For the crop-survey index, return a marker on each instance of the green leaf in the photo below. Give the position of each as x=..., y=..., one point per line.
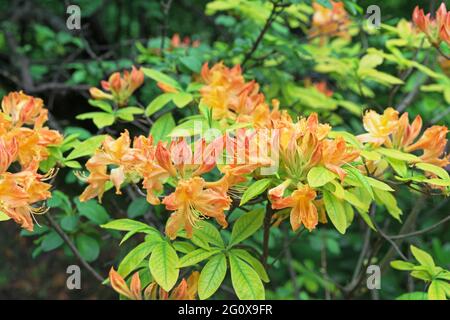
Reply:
x=51, y=241
x=438, y=182
x=413, y=296
x=138, y=207
x=377, y=184
x=440, y=172
x=88, y=247
x=388, y=200
x=158, y=103
x=182, y=99
x=436, y=291
x=162, y=127
x=209, y=233
x=93, y=211
x=422, y=257
x=246, y=282
x=246, y=225
x=161, y=77
x=86, y=148
x=195, y=257
x=128, y=113
x=336, y=211
x=253, y=262
x=212, y=276
x=69, y=223
x=192, y=63
x=135, y=257
x=398, y=155
x=319, y=176
x=399, y=166
x=163, y=265
x=402, y=265
x=255, y=190
x=101, y=104
x=101, y=119
x=183, y=246
x=358, y=176
x=128, y=225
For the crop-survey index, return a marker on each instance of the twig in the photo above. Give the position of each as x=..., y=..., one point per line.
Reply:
x=267, y=219
x=392, y=242
x=72, y=247
x=420, y=232
x=273, y=15
x=166, y=8
x=291, y=270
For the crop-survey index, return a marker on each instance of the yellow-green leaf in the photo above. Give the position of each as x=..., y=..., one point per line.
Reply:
x=246, y=282
x=163, y=265
x=212, y=276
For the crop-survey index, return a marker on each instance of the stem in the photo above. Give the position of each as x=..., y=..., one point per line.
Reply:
x=273, y=14
x=72, y=247
x=267, y=219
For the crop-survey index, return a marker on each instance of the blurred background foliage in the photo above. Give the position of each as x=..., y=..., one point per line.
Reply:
x=39, y=55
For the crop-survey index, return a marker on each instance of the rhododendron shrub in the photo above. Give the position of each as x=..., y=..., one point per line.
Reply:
x=231, y=159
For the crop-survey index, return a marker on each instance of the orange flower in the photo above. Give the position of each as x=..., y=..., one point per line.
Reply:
x=335, y=154
x=19, y=191
x=328, y=22
x=22, y=108
x=186, y=290
x=127, y=161
x=300, y=148
x=301, y=201
x=436, y=29
x=230, y=97
x=404, y=133
x=379, y=127
x=8, y=153
x=433, y=143
x=120, y=286
x=120, y=86
x=191, y=201
x=323, y=88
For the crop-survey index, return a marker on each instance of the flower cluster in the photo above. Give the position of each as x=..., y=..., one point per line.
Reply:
x=328, y=22
x=232, y=99
x=119, y=88
x=193, y=197
x=186, y=290
x=303, y=146
x=23, y=141
x=396, y=132
x=436, y=29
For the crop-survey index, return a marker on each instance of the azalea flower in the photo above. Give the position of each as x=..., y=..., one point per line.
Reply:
x=436, y=29
x=18, y=193
x=22, y=108
x=304, y=211
x=379, y=127
x=433, y=143
x=328, y=22
x=121, y=87
x=8, y=153
x=336, y=153
x=128, y=162
x=186, y=290
x=192, y=200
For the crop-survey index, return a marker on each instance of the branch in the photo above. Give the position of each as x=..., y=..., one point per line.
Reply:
x=267, y=219
x=420, y=232
x=72, y=247
x=273, y=15
x=166, y=8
